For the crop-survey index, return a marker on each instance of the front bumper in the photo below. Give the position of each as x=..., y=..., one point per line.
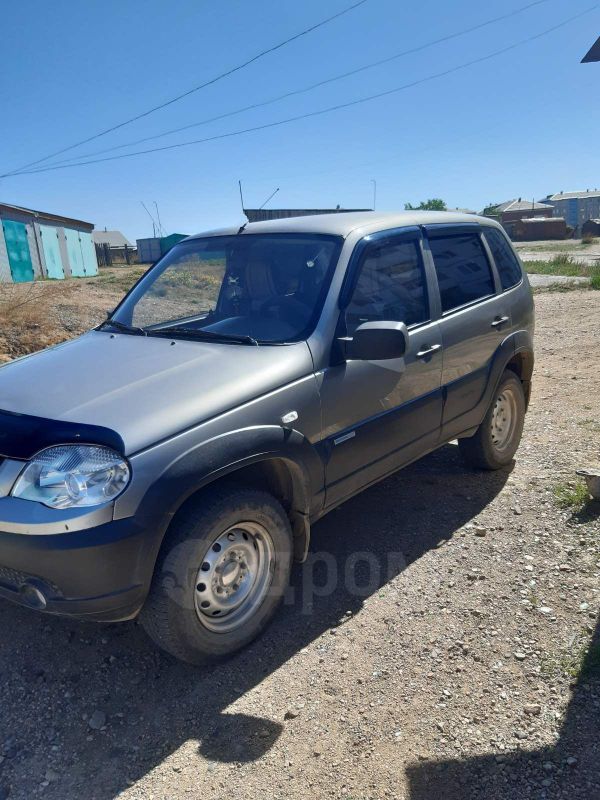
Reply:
x=49, y=562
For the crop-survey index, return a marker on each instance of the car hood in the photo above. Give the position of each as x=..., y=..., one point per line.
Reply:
x=145, y=388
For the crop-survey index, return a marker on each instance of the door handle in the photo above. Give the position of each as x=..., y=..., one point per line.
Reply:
x=429, y=351
x=499, y=321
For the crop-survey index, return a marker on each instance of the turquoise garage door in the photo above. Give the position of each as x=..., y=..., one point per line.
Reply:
x=75, y=255
x=17, y=246
x=54, y=265
x=82, y=254
x=88, y=251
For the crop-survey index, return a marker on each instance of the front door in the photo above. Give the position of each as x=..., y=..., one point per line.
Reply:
x=476, y=317
x=17, y=246
x=378, y=415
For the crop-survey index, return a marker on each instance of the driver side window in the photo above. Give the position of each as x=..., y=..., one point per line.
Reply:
x=391, y=285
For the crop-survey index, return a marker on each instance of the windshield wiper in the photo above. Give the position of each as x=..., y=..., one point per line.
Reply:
x=121, y=326
x=197, y=333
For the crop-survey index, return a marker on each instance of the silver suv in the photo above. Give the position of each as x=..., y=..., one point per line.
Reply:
x=170, y=462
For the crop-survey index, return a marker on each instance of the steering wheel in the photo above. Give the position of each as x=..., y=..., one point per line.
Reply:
x=288, y=309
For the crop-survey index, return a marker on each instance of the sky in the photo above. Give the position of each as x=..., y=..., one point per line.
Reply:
x=525, y=123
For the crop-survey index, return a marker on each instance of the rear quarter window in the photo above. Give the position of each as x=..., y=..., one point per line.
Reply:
x=507, y=263
x=463, y=270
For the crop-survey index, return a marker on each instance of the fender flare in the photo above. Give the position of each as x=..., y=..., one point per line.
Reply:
x=221, y=457
x=516, y=345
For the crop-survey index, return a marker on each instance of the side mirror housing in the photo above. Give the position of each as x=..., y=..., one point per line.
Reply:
x=377, y=341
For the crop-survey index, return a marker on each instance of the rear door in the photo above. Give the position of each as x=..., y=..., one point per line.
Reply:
x=475, y=317
x=19, y=255
x=380, y=414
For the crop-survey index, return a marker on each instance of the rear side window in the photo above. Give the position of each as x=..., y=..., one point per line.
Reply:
x=462, y=268
x=507, y=263
x=390, y=286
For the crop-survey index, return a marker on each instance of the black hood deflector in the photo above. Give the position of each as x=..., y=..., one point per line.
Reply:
x=22, y=435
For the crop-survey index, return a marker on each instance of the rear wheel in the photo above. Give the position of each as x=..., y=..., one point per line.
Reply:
x=220, y=576
x=496, y=441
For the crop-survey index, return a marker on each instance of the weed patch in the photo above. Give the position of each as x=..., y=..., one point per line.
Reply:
x=573, y=496
x=563, y=264
x=580, y=662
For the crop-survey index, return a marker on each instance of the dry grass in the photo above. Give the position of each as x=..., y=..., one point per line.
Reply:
x=28, y=319
x=43, y=313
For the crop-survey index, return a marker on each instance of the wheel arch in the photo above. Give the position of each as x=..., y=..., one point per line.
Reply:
x=521, y=363
x=280, y=476
x=280, y=461
x=515, y=353
x=283, y=478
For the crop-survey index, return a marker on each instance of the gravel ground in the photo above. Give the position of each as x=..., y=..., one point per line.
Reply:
x=449, y=669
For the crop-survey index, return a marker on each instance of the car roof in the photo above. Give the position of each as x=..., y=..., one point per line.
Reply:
x=342, y=224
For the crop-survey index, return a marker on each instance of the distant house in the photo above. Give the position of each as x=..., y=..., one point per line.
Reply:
x=262, y=214
x=114, y=239
x=531, y=229
x=522, y=209
x=576, y=207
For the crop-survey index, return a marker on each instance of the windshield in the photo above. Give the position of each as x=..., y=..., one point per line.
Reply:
x=268, y=288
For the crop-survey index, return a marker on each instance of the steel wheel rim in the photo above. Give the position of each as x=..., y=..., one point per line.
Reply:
x=504, y=420
x=235, y=576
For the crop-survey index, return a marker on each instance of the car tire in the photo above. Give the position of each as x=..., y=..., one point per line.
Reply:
x=220, y=576
x=496, y=441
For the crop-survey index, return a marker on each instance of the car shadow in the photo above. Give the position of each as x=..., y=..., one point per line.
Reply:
x=57, y=672
x=570, y=769
x=589, y=513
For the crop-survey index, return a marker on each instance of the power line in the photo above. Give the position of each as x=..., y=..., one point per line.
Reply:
x=210, y=82
x=329, y=109
x=295, y=92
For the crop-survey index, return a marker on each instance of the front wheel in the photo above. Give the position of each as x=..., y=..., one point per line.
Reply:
x=220, y=576
x=496, y=441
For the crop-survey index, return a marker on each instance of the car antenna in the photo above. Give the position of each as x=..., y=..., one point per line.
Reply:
x=260, y=209
x=243, y=209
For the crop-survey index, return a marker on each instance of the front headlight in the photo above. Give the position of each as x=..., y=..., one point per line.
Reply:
x=71, y=476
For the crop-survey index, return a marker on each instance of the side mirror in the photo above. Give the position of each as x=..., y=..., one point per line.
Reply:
x=377, y=341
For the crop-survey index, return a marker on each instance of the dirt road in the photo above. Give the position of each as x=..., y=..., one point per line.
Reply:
x=446, y=661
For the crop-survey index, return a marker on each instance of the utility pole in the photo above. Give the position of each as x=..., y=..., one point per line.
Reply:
x=161, y=230
x=374, y=182
x=151, y=217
